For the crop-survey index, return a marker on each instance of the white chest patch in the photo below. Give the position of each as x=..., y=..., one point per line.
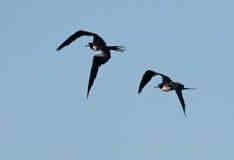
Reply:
x=166, y=88
x=95, y=48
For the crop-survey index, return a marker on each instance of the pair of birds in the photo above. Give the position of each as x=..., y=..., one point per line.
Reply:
x=100, y=59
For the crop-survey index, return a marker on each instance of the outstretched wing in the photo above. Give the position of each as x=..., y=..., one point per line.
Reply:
x=98, y=60
x=98, y=40
x=165, y=79
x=178, y=89
x=74, y=37
x=147, y=77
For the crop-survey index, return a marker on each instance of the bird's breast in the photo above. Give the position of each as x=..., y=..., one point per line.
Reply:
x=95, y=48
x=166, y=88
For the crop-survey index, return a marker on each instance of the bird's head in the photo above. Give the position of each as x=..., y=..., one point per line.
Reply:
x=158, y=86
x=89, y=44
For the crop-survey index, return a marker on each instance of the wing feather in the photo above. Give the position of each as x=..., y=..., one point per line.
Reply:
x=74, y=37
x=148, y=76
x=178, y=89
x=98, y=60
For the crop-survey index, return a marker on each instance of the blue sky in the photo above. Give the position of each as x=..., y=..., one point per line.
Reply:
x=44, y=111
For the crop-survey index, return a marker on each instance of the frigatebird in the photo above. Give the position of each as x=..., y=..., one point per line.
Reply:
x=166, y=85
x=98, y=44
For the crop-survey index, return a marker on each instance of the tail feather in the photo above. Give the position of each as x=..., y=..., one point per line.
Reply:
x=188, y=88
x=117, y=48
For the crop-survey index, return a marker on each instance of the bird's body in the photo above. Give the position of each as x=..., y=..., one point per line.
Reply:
x=98, y=44
x=166, y=88
x=166, y=85
x=95, y=47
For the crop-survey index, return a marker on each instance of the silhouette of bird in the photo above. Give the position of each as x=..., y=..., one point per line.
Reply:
x=166, y=85
x=98, y=42
x=98, y=60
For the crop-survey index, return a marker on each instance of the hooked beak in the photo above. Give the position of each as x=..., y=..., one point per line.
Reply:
x=87, y=45
x=156, y=86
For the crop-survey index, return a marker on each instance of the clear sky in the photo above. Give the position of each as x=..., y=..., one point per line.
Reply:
x=44, y=111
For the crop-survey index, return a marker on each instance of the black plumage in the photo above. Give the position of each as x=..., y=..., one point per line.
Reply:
x=166, y=85
x=98, y=44
x=98, y=60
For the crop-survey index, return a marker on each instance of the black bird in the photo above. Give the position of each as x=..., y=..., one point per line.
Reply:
x=166, y=85
x=98, y=44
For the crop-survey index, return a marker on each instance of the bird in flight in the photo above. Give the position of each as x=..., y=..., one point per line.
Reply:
x=98, y=44
x=166, y=85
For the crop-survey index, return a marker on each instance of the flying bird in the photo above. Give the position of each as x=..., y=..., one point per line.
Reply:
x=98, y=42
x=98, y=60
x=166, y=85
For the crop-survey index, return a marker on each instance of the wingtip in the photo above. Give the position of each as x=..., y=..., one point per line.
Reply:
x=88, y=93
x=139, y=91
x=184, y=112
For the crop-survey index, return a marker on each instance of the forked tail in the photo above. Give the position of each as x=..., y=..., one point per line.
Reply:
x=188, y=88
x=117, y=48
